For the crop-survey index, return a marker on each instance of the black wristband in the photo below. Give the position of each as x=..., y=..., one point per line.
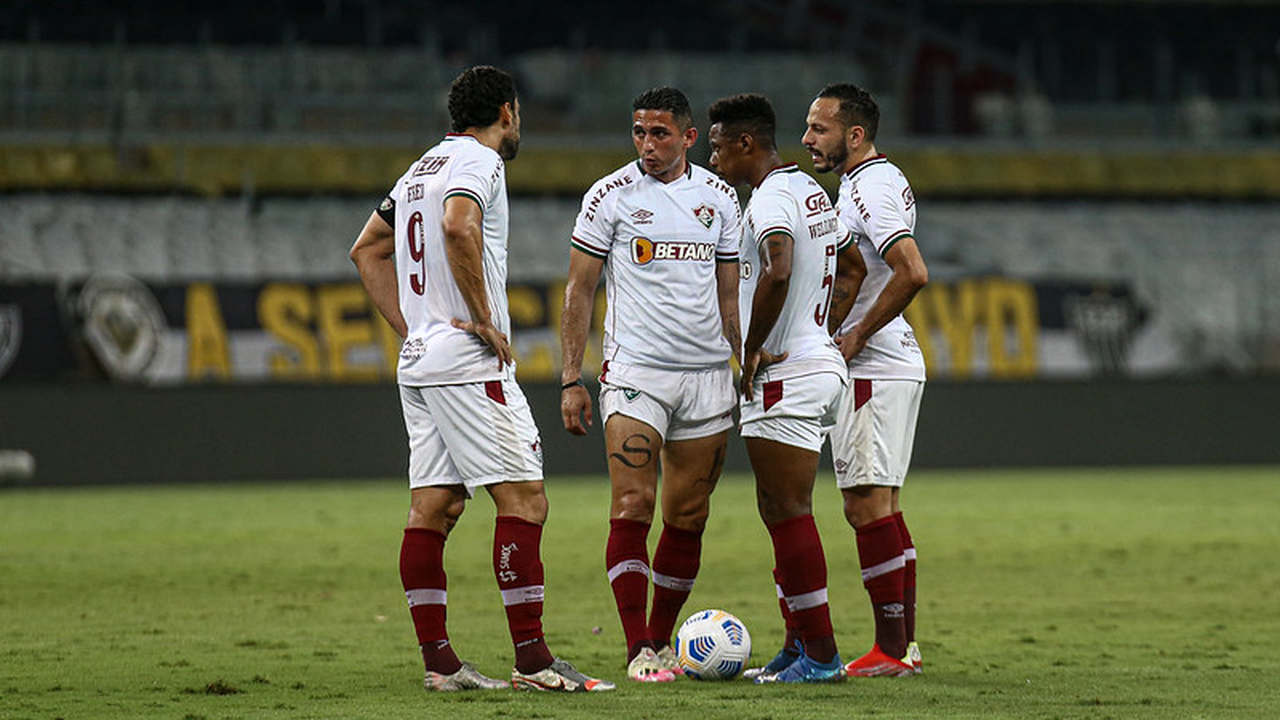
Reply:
x=568, y=385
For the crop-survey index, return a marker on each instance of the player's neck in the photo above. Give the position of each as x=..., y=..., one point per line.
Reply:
x=490, y=137
x=762, y=166
x=673, y=173
x=864, y=153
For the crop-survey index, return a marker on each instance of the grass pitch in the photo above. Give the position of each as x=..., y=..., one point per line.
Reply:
x=1045, y=594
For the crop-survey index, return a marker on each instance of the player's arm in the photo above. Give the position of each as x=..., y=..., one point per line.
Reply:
x=374, y=256
x=851, y=270
x=463, y=248
x=727, y=297
x=776, y=251
x=575, y=321
x=909, y=275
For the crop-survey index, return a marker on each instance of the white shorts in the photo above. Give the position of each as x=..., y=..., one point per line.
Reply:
x=473, y=434
x=797, y=411
x=875, y=430
x=679, y=404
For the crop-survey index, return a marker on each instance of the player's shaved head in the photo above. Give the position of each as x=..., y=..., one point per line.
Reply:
x=477, y=95
x=668, y=99
x=749, y=113
x=857, y=107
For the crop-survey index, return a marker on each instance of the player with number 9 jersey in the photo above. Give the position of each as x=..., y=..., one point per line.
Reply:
x=435, y=352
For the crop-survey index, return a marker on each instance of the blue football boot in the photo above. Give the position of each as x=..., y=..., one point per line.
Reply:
x=807, y=670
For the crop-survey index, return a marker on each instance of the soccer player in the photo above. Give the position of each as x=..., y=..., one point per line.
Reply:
x=792, y=374
x=433, y=258
x=872, y=440
x=665, y=233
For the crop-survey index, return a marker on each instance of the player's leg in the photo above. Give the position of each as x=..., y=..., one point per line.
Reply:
x=690, y=470
x=908, y=585
x=517, y=565
x=433, y=511
x=503, y=453
x=869, y=463
x=784, y=489
x=437, y=499
x=702, y=414
x=632, y=448
x=784, y=426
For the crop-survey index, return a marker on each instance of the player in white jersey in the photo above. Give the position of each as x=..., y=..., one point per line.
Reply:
x=871, y=444
x=664, y=232
x=792, y=374
x=433, y=258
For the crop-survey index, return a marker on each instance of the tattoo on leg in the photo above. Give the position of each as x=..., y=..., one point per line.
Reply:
x=636, y=456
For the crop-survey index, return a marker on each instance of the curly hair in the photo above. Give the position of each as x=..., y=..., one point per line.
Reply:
x=857, y=107
x=476, y=96
x=665, y=98
x=750, y=113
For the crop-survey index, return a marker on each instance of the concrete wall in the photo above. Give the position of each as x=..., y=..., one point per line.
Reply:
x=93, y=434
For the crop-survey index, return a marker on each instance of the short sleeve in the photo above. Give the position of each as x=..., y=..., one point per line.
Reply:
x=472, y=175
x=887, y=220
x=592, y=230
x=774, y=212
x=730, y=231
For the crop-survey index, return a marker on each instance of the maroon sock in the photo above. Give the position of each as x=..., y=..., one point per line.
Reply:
x=802, y=573
x=518, y=567
x=908, y=579
x=627, y=559
x=792, y=642
x=422, y=574
x=880, y=554
x=675, y=565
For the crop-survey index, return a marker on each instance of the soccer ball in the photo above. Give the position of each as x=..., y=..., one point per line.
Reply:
x=713, y=645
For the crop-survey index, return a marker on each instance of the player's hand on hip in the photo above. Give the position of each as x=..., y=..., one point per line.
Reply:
x=850, y=345
x=575, y=409
x=491, y=337
x=752, y=365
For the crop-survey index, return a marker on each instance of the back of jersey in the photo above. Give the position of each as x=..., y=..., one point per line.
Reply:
x=790, y=201
x=436, y=353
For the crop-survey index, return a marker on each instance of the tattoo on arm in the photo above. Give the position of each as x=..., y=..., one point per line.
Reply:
x=634, y=454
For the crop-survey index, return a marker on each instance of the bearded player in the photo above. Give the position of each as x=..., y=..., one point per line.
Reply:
x=664, y=232
x=792, y=374
x=875, y=428
x=433, y=258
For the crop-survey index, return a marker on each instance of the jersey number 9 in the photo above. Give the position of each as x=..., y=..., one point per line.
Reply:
x=418, y=252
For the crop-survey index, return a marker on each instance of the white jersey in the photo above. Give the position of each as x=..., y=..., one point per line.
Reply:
x=436, y=353
x=789, y=201
x=876, y=204
x=661, y=243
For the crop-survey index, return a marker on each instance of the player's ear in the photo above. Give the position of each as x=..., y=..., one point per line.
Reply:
x=690, y=136
x=507, y=114
x=854, y=136
x=746, y=142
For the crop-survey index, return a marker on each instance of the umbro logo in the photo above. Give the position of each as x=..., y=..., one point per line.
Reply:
x=642, y=217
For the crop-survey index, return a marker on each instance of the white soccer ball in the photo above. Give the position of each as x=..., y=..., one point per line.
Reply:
x=713, y=645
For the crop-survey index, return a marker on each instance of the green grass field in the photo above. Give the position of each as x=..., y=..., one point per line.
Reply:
x=1045, y=594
